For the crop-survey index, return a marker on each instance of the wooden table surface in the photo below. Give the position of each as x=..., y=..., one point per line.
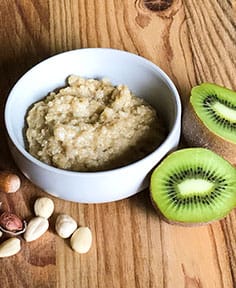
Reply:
x=192, y=41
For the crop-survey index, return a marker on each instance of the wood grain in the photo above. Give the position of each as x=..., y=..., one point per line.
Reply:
x=192, y=41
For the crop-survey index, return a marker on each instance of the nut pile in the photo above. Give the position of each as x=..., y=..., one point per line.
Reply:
x=12, y=225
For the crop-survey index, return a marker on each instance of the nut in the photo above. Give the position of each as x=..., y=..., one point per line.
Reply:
x=12, y=224
x=43, y=207
x=9, y=182
x=1, y=233
x=65, y=225
x=81, y=240
x=36, y=228
x=10, y=247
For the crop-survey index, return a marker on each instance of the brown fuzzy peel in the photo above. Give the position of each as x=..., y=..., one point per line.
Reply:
x=196, y=134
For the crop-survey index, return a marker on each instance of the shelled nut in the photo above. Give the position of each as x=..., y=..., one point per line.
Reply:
x=65, y=225
x=81, y=240
x=10, y=247
x=43, y=207
x=37, y=226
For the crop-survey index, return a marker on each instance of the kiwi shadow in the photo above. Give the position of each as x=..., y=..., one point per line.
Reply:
x=142, y=201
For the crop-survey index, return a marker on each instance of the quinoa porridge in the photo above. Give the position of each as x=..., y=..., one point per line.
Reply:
x=91, y=125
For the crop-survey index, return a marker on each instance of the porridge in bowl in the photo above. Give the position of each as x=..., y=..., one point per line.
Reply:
x=91, y=125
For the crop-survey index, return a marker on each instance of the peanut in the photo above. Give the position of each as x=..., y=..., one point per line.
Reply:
x=11, y=222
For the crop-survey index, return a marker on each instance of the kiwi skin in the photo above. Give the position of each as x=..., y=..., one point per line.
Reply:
x=196, y=134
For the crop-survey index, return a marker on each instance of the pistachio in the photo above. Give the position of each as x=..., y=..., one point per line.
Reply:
x=65, y=225
x=12, y=224
x=43, y=207
x=9, y=182
x=37, y=226
x=81, y=240
x=1, y=233
x=10, y=247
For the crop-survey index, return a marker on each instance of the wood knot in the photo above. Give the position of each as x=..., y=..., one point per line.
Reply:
x=147, y=9
x=157, y=5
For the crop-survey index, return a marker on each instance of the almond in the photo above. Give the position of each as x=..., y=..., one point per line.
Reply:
x=10, y=247
x=81, y=240
x=37, y=226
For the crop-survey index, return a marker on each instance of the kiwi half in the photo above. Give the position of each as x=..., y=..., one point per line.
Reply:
x=193, y=185
x=209, y=120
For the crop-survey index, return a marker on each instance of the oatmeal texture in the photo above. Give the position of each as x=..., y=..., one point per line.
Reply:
x=91, y=125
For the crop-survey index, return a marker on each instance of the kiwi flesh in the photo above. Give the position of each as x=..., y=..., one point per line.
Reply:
x=209, y=120
x=193, y=186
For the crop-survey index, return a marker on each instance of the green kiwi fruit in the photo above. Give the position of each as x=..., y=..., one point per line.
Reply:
x=209, y=120
x=193, y=186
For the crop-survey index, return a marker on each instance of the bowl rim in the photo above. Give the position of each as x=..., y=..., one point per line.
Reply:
x=176, y=126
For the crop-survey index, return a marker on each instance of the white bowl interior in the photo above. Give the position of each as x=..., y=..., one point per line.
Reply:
x=143, y=78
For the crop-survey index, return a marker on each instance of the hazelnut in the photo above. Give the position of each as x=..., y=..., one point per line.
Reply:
x=43, y=207
x=9, y=182
x=65, y=225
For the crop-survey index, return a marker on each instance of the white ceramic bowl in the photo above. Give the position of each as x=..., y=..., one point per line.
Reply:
x=144, y=78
